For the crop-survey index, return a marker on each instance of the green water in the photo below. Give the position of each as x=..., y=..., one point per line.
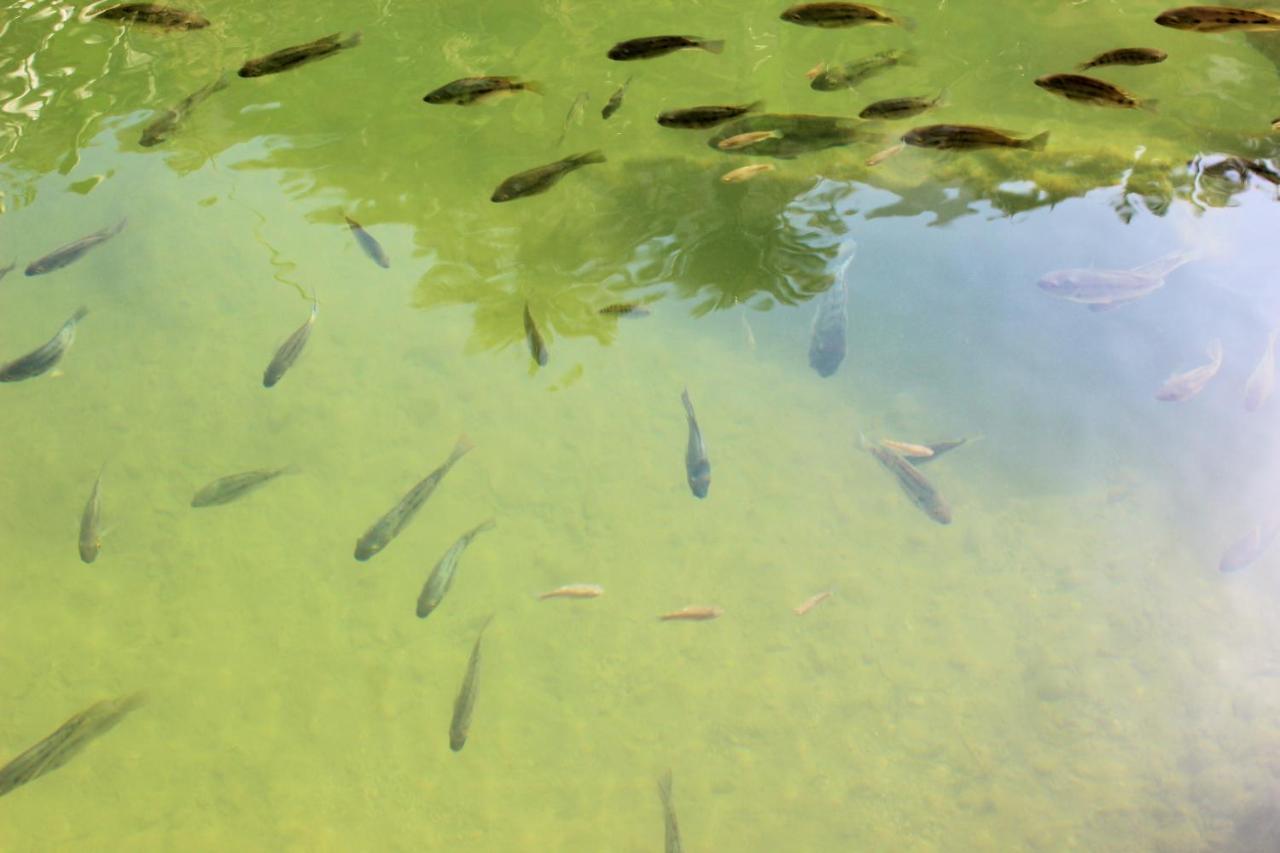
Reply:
x=1061, y=668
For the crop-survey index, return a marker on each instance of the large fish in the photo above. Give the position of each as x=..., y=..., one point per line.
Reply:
x=295, y=55
x=969, y=137
x=441, y=577
x=696, y=465
x=289, y=351
x=650, y=46
x=43, y=358
x=672, y=831
x=1245, y=551
x=1219, y=19
x=390, y=525
x=235, y=486
x=1091, y=90
x=1184, y=386
x=371, y=247
x=1263, y=378
x=464, y=705
x=467, y=91
x=90, y=536
x=160, y=129
x=72, y=252
x=154, y=15
x=830, y=322
x=1103, y=290
x=539, y=179
x=913, y=484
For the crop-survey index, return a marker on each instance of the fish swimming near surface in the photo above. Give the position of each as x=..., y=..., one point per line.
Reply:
x=811, y=602
x=1184, y=386
x=289, y=351
x=1091, y=90
x=615, y=101
x=833, y=15
x=467, y=91
x=441, y=577
x=539, y=179
x=831, y=78
x=696, y=465
x=692, y=613
x=698, y=118
x=168, y=121
x=398, y=517
x=1125, y=56
x=1263, y=378
x=371, y=247
x=892, y=109
x=1103, y=290
x=155, y=15
x=464, y=705
x=914, y=485
x=90, y=536
x=746, y=173
x=72, y=252
x=235, y=486
x=672, y=826
x=43, y=358
x=537, y=346
x=1219, y=19
x=67, y=741
x=575, y=590
x=625, y=309
x=298, y=54
x=652, y=46
x=1246, y=551
x=745, y=140
x=969, y=137
x=827, y=336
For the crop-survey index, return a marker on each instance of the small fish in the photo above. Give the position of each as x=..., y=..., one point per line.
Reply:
x=289, y=351
x=371, y=247
x=913, y=484
x=744, y=140
x=698, y=118
x=67, y=741
x=72, y=252
x=652, y=46
x=542, y=178
x=235, y=486
x=615, y=101
x=295, y=55
x=938, y=448
x=968, y=137
x=827, y=337
x=831, y=78
x=746, y=173
x=672, y=826
x=160, y=129
x=394, y=521
x=154, y=15
x=696, y=465
x=1125, y=56
x=1219, y=19
x=4, y=271
x=1263, y=378
x=465, y=703
x=576, y=590
x=90, y=536
x=441, y=577
x=45, y=357
x=574, y=116
x=537, y=346
x=891, y=109
x=624, y=309
x=467, y=91
x=1184, y=386
x=811, y=602
x=1245, y=551
x=692, y=613
x=907, y=449
x=832, y=15
x=880, y=156
x=1091, y=90
x=1103, y=290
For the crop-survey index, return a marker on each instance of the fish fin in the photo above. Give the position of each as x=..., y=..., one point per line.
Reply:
x=532, y=86
x=1085, y=66
x=1036, y=143
x=688, y=404
x=119, y=226
x=79, y=314
x=754, y=106
x=1149, y=104
x=1215, y=351
x=907, y=23
x=487, y=524
x=943, y=99
x=352, y=40
x=590, y=157
x=664, y=788
x=463, y=445
x=711, y=45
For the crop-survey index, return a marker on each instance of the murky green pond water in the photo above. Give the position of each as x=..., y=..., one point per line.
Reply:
x=1064, y=666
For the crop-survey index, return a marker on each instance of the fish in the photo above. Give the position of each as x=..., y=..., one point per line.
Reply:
x=72, y=252
x=1102, y=290
x=1263, y=378
x=537, y=346
x=653, y=46
x=298, y=54
x=1244, y=552
x=744, y=140
x=235, y=486
x=464, y=705
x=880, y=156
x=371, y=247
x=467, y=91
x=798, y=133
x=441, y=577
x=692, y=613
x=832, y=15
x=576, y=590
x=831, y=78
x=154, y=15
x=1091, y=90
x=539, y=179
x=968, y=137
x=698, y=118
x=907, y=449
x=1219, y=19
x=746, y=173
x=160, y=129
x=938, y=448
x=827, y=336
x=672, y=826
x=289, y=351
x=1183, y=386
x=921, y=492
x=624, y=309
x=615, y=101
x=397, y=518
x=696, y=465
x=90, y=537
x=811, y=602
x=4, y=271
x=1125, y=56
x=891, y=109
x=43, y=358
x=67, y=741
x=574, y=115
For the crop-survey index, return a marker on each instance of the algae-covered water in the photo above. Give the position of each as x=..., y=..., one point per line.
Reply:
x=1062, y=667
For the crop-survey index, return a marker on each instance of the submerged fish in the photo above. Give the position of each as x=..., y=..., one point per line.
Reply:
x=90, y=537
x=467, y=91
x=1219, y=19
x=235, y=486
x=830, y=323
x=624, y=309
x=907, y=449
x=706, y=116
x=1263, y=378
x=574, y=116
x=696, y=465
x=576, y=590
x=1091, y=90
x=692, y=613
x=968, y=137
x=441, y=577
x=389, y=526
x=831, y=15
x=464, y=704
x=746, y=173
x=913, y=484
x=672, y=826
x=542, y=178
x=295, y=55
x=63, y=745
x=615, y=101
x=896, y=108
x=289, y=351
x=797, y=134
x=64, y=255
x=1125, y=56
x=154, y=15
x=830, y=78
x=744, y=140
x=811, y=602
x=1245, y=552
x=1184, y=386
x=43, y=358
x=1103, y=290
x=160, y=129
x=371, y=247
x=537, y=346
x=651, y=46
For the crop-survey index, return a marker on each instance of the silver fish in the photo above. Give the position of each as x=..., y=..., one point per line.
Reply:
x=43, y=358
x=696, y=465
x=289, y=351
x=465, y=703
x=1263, y=378
x=398, y=517
x=235, y=486
x=90, y=536
x=441, y=578
x=1103, y=290
x=371, y=247
x=1184, y=386
x=1245, y=551
x=160, y=129
x=913, y=484
x=72, y=252
x=672, y=826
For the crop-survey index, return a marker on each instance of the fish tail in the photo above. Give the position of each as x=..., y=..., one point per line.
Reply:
x=664, y=788
x=487, y=524
x=352, y=40
x=221, y=83
x=943, y=98
x=461, y=447
x=1035, y=143
x=1085, y=66
x=688, y=404
x=79, y=314
x=119, y=226
x=1215, y=350
x=1149, y=104
x=531, y=86
x=590, y=157
x=907, y=23
x=754, y=106
x=711, y=45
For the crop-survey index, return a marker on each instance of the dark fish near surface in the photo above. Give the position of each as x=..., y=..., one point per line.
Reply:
x=624, y=309
x=831, y=15
x=466, y=91
x=1184, y=386
x=914, y=485
x=796, y=134
x=708, y=116
x=235, y=486
x=1091, y=90
x=292, y=57
x=896, y=108
x=61, y=257
x=830, y=321
x=63, y=745
x=160, y=129
x=537, y=346
x=1218, y=19
x=967, y=137
x=289, y=351
x=696, y=465
x=441, y=577
x=1246, y=551
x=389, y=526
x=542, y=178
x=154, y=15
x=1103, y=290
x=830, y=78
x=651, y=46
x=465, y=703
x=1263, y=378
x=43, y=358
x=1126, y=56
x=672, y=831
x=615, y=101
x=371, y=247
x=90, y=536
